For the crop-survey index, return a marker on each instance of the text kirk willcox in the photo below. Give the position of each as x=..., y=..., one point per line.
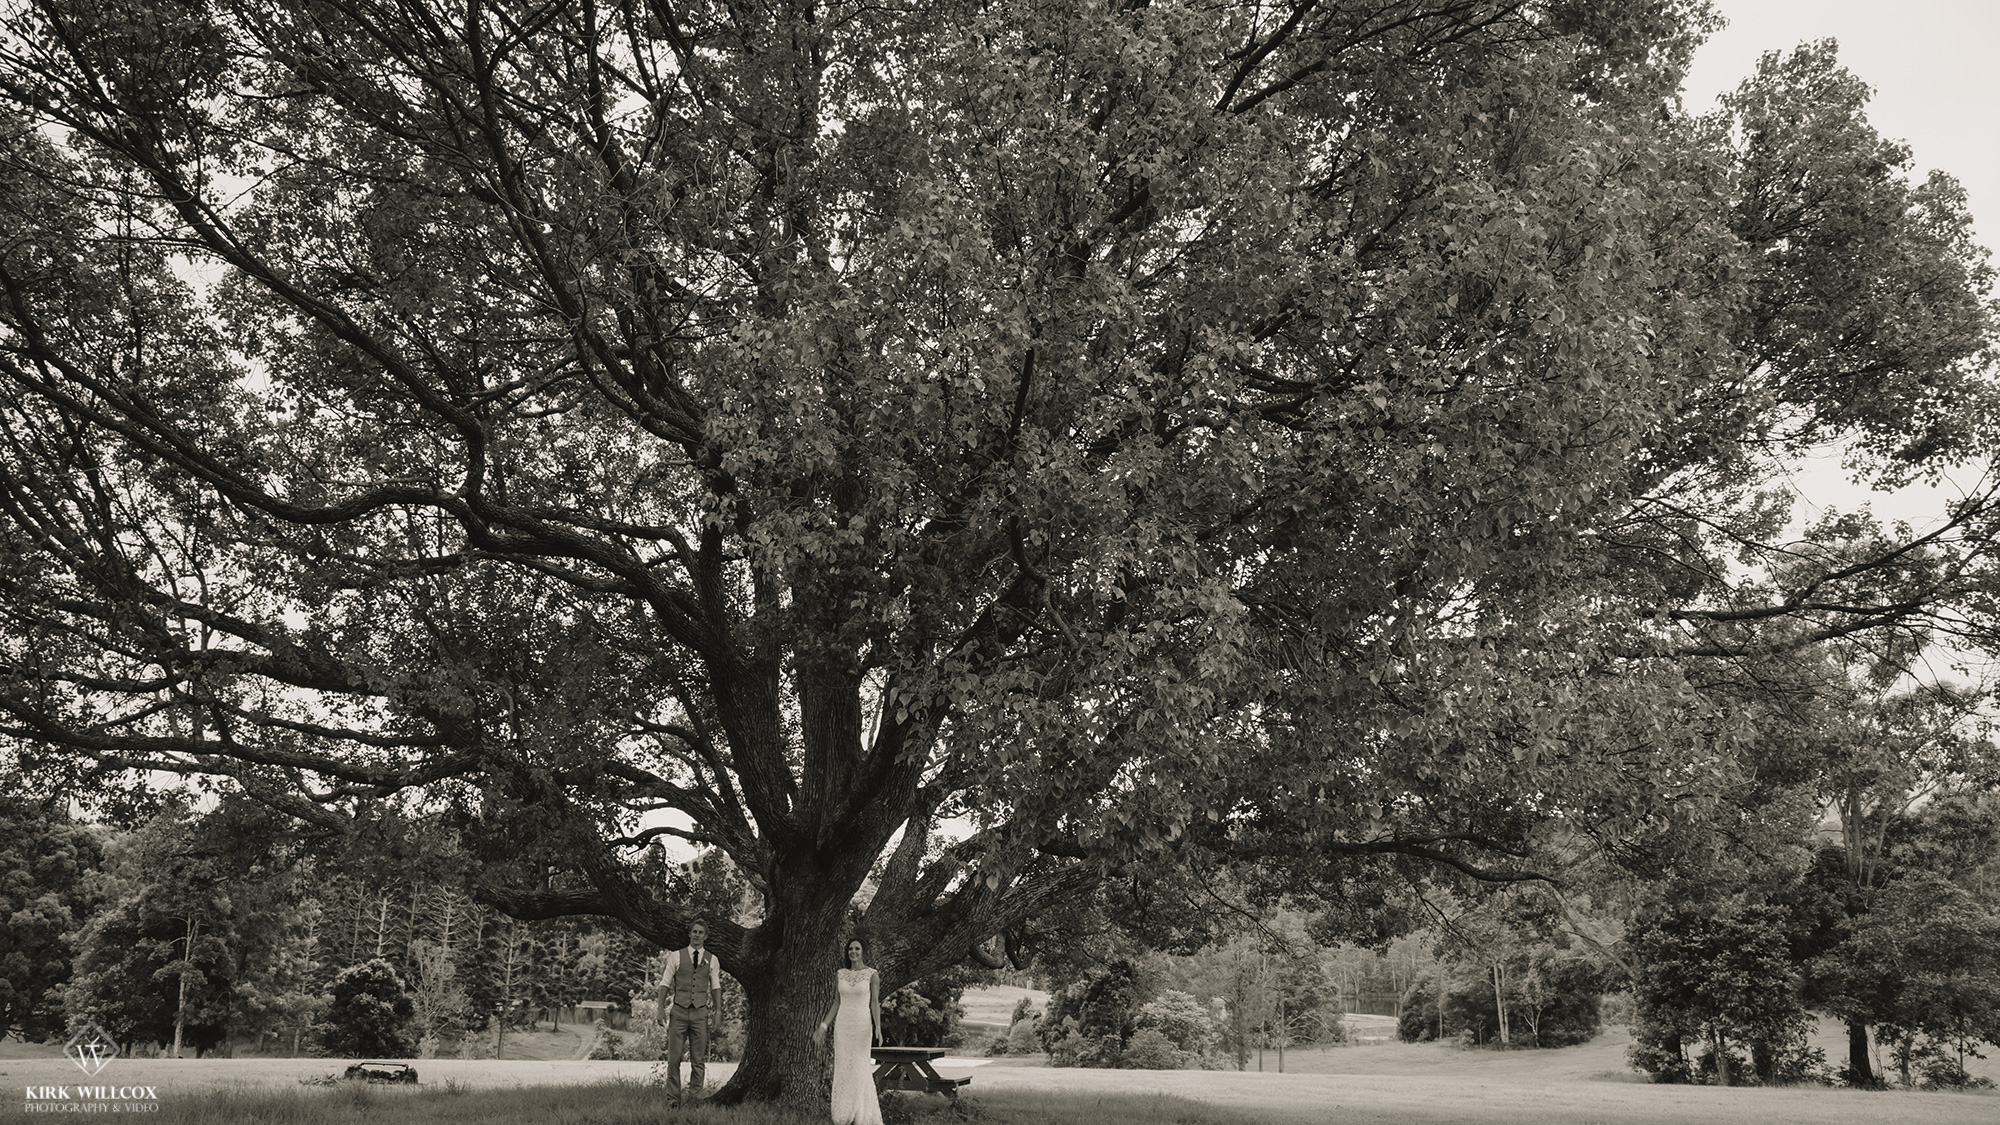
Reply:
x=94, y=1093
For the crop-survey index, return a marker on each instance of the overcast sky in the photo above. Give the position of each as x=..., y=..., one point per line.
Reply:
x=1935, y=68
x=1934, y=64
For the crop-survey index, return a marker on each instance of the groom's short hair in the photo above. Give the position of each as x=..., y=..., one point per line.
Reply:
x=702, y=922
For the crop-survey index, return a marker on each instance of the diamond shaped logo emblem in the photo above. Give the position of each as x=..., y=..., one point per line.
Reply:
x=90, y=1048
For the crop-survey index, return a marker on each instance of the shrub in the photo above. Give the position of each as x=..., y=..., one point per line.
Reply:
x=1659, y=1049
x=1797, y=1064
x=608, y=1045
x=1022, y=1038
x=1074, y=1048
x=1181, y=1020
x=368, y=1015
x=1559, y=1000
x=1943, y=1072
x=1105, y=1001
x=1929, y=1065
x=1564, y=1021
x=1150, y=1049
x=1418, y=1022
x=645, y=1040
x=1069, y=1048
x=927, y=1013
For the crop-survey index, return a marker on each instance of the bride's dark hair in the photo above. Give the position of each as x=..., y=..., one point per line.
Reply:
x=856, y=939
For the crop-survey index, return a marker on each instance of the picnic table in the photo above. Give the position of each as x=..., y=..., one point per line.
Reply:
x=909, y=1068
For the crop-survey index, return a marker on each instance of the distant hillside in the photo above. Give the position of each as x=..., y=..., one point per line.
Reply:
x=989, y=1008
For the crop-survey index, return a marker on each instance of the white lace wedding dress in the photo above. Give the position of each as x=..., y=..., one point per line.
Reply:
x=854, y=1101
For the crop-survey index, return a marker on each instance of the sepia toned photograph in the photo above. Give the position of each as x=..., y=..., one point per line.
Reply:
x=1013, y=562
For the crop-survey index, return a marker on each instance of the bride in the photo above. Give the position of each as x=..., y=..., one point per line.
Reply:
x=856, y=1021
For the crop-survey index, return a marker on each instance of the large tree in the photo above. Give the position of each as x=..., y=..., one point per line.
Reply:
x=1304, y=430
x=45, y=864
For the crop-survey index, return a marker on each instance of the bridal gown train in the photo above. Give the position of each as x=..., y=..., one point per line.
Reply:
x=854, y=1101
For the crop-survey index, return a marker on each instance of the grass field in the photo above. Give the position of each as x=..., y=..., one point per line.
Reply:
x=631, y=1103
x=1379, y=1083
x=988, y=1010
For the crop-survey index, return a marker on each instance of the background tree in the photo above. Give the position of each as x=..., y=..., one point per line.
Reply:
x=1717, y=976
x=927, y=1014
x=1919, y=957
x=1312, y=436
x=45, y=865
x=1892, y=752
x=368, y=1015
x=190, y=903
x=1091, y=1020
x=278, y=988
x=438, y=1004
x=1180, y=1018
x=1927, y=970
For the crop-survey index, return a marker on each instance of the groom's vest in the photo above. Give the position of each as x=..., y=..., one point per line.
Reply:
x=690, y=984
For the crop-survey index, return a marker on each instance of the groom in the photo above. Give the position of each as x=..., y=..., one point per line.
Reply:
x=690, y=989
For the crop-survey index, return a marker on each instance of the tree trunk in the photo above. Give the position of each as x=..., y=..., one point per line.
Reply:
x=1441, y=988
x=786, y=993
x=187, y=964
x=1859, y=1070
x=1722, y=1075
x=1500, y=1001
x=1264, y=1015
x=1241, y=1019
x=506, y=989
x=1763, y=1060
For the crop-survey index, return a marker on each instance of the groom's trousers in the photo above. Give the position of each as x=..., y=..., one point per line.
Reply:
x=687, y=1028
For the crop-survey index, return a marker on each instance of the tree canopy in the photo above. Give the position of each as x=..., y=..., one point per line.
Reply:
x=1325, y=435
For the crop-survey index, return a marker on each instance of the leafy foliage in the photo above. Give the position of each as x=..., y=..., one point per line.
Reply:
x=1182, y=1020
x=1924, y=966
x=1089, y=1021
x=1326, y=439
x=1150, y=1049
x=45, y=861
x=1552, y=1000
x=1718, y=977
x=926, y=1013
x=188, y=905
x=369, y=1016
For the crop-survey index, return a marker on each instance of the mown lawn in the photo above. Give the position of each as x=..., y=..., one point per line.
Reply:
x=629, y=1103
x=1383, y=1083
